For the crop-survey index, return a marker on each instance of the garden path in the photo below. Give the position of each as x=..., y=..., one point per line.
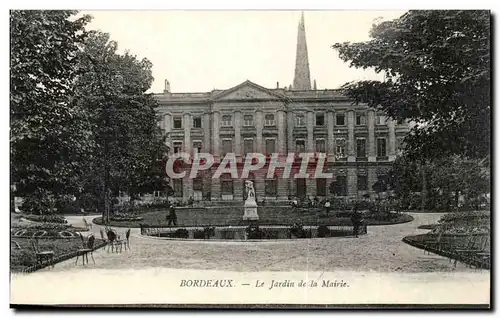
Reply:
x=381, y=250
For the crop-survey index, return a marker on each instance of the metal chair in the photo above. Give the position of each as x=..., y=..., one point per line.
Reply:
x=88, y=248
x=112, y=238
x=127, y=237
x=88, y=225
x=42, y=256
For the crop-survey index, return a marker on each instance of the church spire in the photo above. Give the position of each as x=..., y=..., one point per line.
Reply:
x=302, y=79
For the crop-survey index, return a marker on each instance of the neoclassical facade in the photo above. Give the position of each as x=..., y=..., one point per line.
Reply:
x=358, y=142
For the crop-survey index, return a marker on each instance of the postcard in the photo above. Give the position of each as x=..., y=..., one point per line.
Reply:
x=263, y=159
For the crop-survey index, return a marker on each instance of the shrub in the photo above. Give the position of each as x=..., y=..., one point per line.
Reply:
x=323, y=231
x=181, y=233
x=253, y=232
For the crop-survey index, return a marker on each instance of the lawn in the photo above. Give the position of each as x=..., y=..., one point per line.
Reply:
x=225, y=216
x=25, y=256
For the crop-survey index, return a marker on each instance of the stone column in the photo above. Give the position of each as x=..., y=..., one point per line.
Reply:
x=330, y=138
x=215, y=195
x=167, y=122
x=351, y=150
x=352, y=182
x=392, y=140
x=238, y=189
x=187, y=122
x=372, y=178
x=290, y=124
x=216, y=137
x=281, y=131
x=237, y=135
x=187, y=192
x=372, y=152
x=259, y=125
x=311, y=187
x=310, y=131
x=206, y=132
x=282, y=189
x=167, y=125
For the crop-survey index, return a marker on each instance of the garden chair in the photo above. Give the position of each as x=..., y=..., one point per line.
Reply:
x=87, y=248
x=127, y=237
x=112, y=239
x=42, y=256
x=88, y=225
x=120, y=242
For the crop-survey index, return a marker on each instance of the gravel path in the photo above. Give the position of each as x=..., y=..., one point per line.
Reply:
x=381, y=250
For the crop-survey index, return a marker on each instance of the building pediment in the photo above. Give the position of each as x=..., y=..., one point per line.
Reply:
x=247, y=91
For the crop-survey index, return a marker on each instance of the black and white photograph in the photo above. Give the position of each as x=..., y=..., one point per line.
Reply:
x=262, y=158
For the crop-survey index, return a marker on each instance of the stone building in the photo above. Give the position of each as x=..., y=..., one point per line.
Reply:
x=359, y=143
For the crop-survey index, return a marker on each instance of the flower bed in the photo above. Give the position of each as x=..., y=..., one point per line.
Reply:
x=46, y=218
x=45, y=230
x=126, y=217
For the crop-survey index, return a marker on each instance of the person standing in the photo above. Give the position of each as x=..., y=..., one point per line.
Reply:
x=357, y=221
x=172, y=216
x=327, y=207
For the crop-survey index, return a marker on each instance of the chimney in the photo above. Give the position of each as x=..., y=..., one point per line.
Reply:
x=290, y=87
x=277, y=84
x=315, y=87
x=167, y=87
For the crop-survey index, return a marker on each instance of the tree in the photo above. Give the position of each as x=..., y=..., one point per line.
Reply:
x=128, y=142
x=437, y=68
x=49, y=134
x=449, y=181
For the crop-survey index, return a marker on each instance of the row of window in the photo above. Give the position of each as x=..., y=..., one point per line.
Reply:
x=300, y=146
x=271, y=186
x=270, y=120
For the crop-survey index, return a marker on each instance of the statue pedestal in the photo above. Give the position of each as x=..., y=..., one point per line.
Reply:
x=250, y=209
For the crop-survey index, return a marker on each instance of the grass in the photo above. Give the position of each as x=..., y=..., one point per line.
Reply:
x=233, y=216
x=25, y=256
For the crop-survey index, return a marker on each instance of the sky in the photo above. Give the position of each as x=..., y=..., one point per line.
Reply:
x=198, y=51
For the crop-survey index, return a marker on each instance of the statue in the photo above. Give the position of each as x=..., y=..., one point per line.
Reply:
x=250, y=203
x=250, y=190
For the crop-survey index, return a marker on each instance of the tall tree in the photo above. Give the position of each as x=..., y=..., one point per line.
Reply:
x=129, y=143
x=437, y=69
x=49, y=134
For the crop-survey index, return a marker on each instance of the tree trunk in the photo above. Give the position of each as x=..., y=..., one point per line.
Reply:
x=424, y=186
